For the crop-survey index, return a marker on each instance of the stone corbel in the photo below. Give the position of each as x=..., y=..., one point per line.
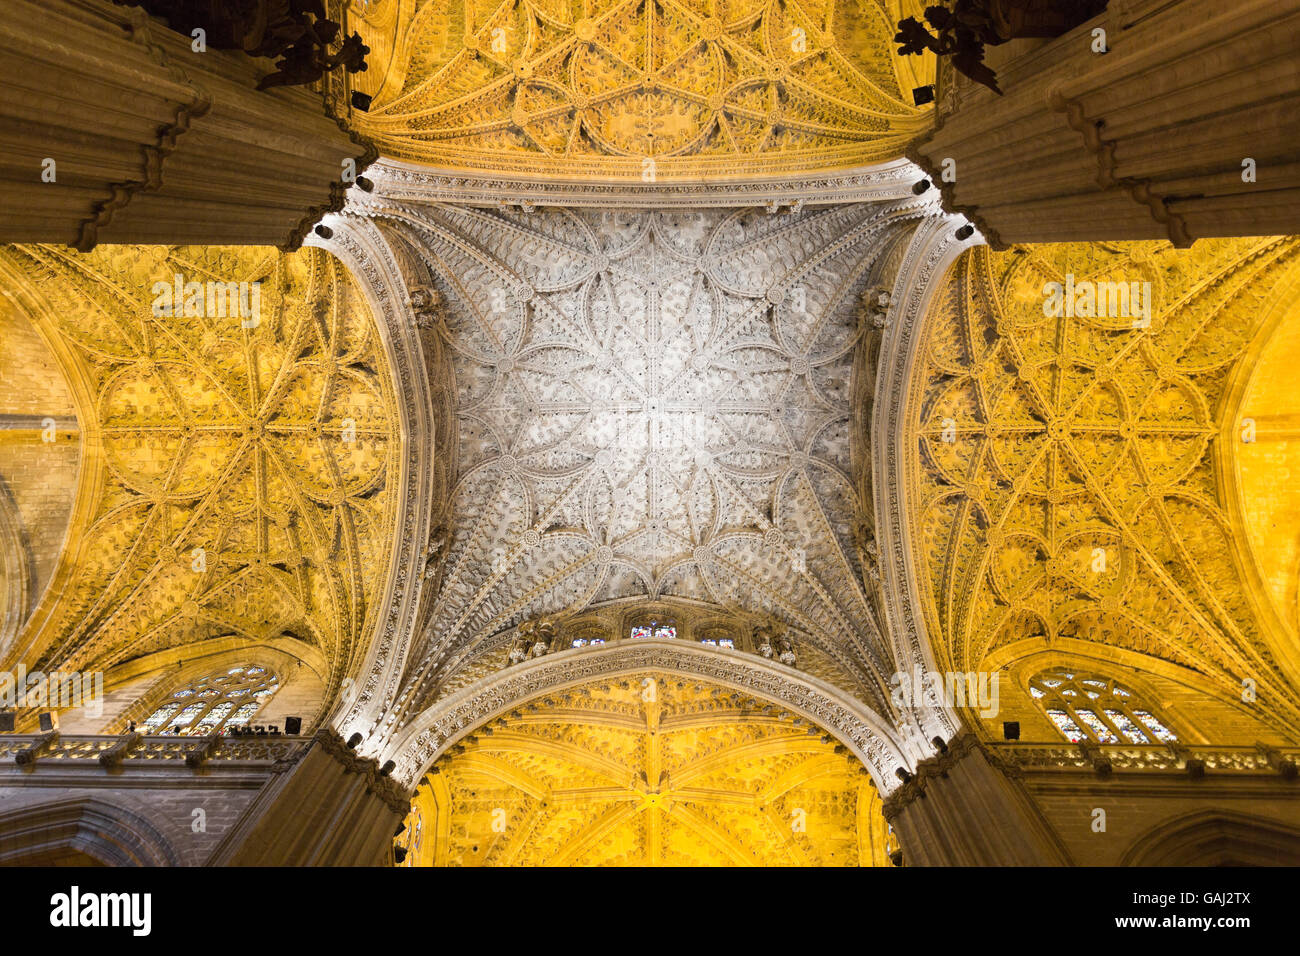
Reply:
x=1194, y=766
x=114, y=755
x=1092, y=753
x=28, y=754
x=1283, y=765
x=195, y=756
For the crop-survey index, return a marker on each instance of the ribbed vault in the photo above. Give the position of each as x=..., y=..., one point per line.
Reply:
x=640, y=90
x=650, y=770
x=1071, y=471
x=650, y=404
x=235, y=478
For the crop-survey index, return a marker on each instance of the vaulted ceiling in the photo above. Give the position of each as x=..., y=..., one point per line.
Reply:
x=649, y=771
x=653, y=404
x=1075, y=473
x=645, y=90
x=235, y=471
x=671, y=405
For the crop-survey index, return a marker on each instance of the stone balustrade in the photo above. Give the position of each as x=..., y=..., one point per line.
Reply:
x=1109, y=758
x=91, y=750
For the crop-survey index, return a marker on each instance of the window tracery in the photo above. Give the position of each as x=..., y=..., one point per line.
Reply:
x=214, y=703
x=1097, y=709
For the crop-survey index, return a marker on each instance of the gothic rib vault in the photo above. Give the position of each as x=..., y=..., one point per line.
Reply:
x=474, y=408
x=640, y=89
x=651, y=404
x=234, y=480
x=1075, y=485
x=649, y=771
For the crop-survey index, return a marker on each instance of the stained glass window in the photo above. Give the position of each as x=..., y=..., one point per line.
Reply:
x=214, y=703
x=1066, y=726
x=1090, y=707
x=1163, y=733
x=653, y=629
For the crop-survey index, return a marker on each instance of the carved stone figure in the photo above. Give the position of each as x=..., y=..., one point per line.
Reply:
x=434, y=554
x=785, y=651
x=874, y=308
x=427, y=304
x=545, y=634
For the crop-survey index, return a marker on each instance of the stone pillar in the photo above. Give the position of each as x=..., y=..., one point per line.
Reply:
x=151, y=141
x=332, y=809
x=961, y=809
x=1146, y=141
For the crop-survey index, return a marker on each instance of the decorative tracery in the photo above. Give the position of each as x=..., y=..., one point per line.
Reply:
x=214, y=703
x=644, y=89
x=651, y=405
x=1071, y=398
x=1091, y=707
x=650, y=770
x=245, y=430
x=654, y=630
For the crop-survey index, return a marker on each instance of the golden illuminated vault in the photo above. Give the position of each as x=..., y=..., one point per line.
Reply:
x=235, y=471
x=1073, y=470
x=607, y=517
x=650, y=771
x=641, y=89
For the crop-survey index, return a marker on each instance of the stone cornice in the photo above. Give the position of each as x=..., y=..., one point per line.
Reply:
x=411, y=182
